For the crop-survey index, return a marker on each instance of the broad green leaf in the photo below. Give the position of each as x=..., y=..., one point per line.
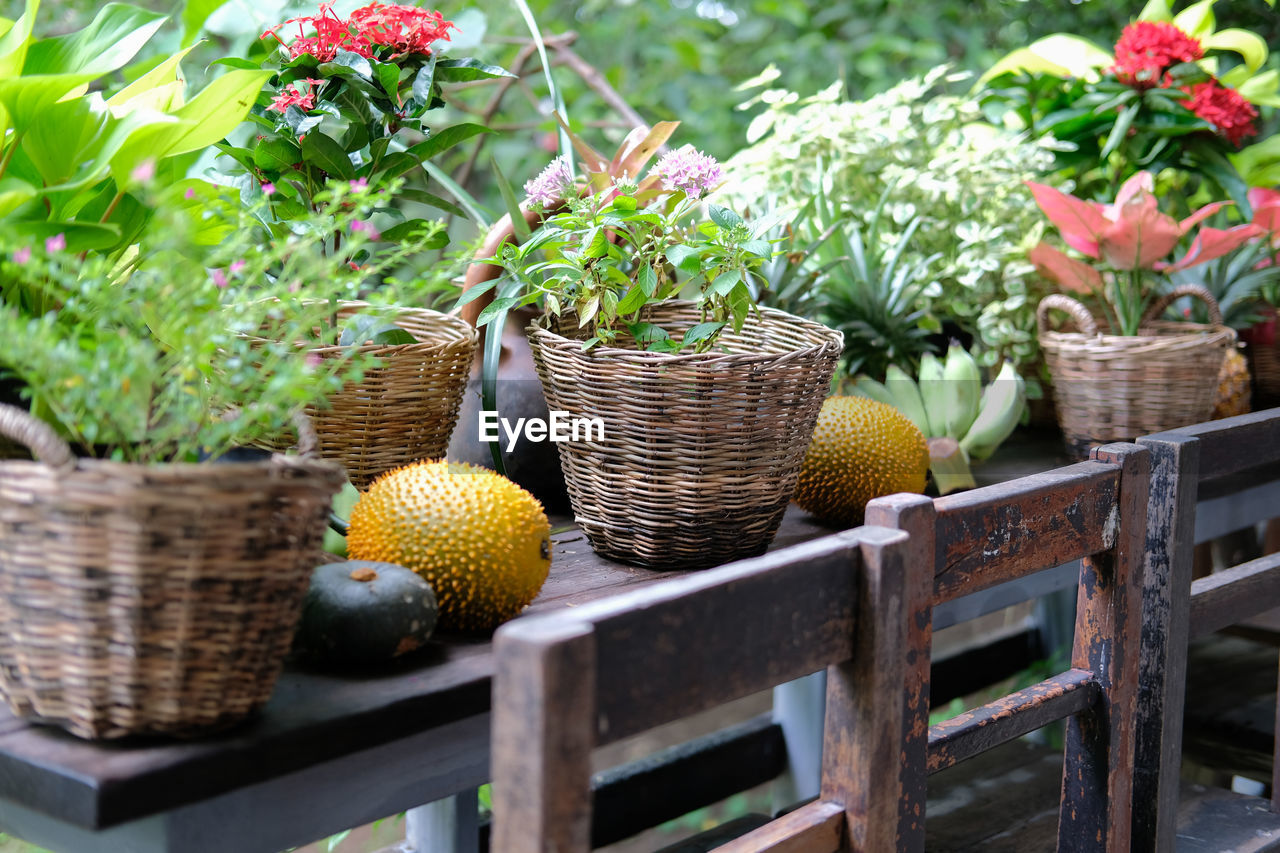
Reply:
x=724, y=283
x=27, y=98
x=275, y=154
x=347, y=64
x=1262, y=89
x=1156, y=10
x=1196, y=20
x=1061, y=54
x=597, y=246
x=14, y=192
x=113, y=38
x=648, y=280
x=587, y=310
x=194, y=15
x=633, y=301
x=679, y=253
x=500, y=305
x=466, y=70
x=424, y=81
x=701, y=332
x=409, y=227
x=15, y=41
x=647, y=333
x=475, y=292
x=1249, y=45
x=1121, y=129
x=165, y=74
x=326, y=153
x=724, y=217
x=202, y=121
x=388, y=74
x=81, y=236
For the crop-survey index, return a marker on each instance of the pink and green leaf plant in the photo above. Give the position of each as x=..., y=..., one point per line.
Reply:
x=1133, y=239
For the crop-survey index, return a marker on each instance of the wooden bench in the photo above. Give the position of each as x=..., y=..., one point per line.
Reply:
x=568, y=682
x=1222, y=456
x=1094, y=510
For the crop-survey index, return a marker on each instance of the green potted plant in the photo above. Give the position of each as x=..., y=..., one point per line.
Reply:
x=1146, y=375
x=704, y=402
x=149, y=548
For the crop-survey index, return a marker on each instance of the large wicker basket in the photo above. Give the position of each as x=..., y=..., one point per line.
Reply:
x=701, y=451
x=405, y=410
x=155, y=599
x=1118, y=387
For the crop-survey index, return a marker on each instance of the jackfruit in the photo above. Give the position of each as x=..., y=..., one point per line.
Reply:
x=861, y=449
x=481, y=541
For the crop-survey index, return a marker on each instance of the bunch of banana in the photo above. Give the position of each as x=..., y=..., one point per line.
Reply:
x=947, y=402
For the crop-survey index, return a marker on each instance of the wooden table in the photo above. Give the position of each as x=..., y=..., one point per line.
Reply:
x=333, y=751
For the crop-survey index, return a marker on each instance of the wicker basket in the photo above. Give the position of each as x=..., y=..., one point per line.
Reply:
x=1119, y=387
x=1262, y=347
x=405, y=410
x=157, y=599
x=701, y=451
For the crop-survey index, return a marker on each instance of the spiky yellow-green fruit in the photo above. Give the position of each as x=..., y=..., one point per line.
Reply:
x=481, y=541
x=861, y=449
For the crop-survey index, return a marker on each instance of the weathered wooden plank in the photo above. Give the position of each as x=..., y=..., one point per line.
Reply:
x=1232, y=445
x=814, y=828
x=1163, y=657
x=1234, y=594
x=915, y=515
x=1010, y=717
x=1097, y=787
x=862, y=752
x=542, y=730
x=983, y=537
x=758, y=623
x=1212, y=820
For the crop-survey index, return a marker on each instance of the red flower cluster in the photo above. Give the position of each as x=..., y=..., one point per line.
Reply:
x=1147, y=48
x=292, y=96
x=1224, y=108
x=405, y=29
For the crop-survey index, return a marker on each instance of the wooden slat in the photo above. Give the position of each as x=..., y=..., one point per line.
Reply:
x=1010, y=717
x=983, y=538
x=1232, y=445
x=753, y=625
x=815, y=828
x=1229, y=596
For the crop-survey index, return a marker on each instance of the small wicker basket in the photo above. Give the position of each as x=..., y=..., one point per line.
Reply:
x=151, y=599
x=701, y=451
x=405, y=410
x=1118, y=387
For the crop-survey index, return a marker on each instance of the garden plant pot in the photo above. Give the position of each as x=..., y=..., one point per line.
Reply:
x=151, y=599
x=701, y=451
x=1118, y=387
x=403, y=411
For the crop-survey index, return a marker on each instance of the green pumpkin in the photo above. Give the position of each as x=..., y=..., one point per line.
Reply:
x=361, y=611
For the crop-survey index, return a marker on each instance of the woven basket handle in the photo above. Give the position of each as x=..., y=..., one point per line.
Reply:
x=1196, y=290
x=33, y=433
x=1083, y=319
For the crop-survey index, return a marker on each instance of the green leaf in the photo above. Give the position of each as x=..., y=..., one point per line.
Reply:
x=1262, y=89
x=1121, y=129
x=194, y=15
x=648, y=280
x=724, y=283
x=678, y=254
x=1061, y=55
x=15, y=42
x=647, y=334
x=467, y=70
x=1196, y=20
x=1249, y=45
x=724, y=217
x=409, y=227
x=519, y=225
x=113, y=38
x=347, y=64
x=424, y=82
x=473, y=293
x=500, y=305
x=81, y=236
x=701, y=332
x=161, y=88
x=446, y=139
x=633, y=301
x=326, y=153
x=388, y=74
x=364, y=329
x=1156, y=10
x=275, y=154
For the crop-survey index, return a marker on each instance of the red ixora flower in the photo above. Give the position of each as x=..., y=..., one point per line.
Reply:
x=405, y=29
x=1224, y=108
x=292, y=96
x=1147, y=48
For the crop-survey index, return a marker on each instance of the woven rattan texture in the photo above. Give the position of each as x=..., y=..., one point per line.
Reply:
x=405, y=410
x=1264, y=364
x=153, y=599
x=701, y=451
x=1117, y=387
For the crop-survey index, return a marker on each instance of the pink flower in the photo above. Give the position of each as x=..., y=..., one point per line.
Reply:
x=56, y=243
x=1227, y=110
x=690, y=171
x=368, y=228
x=360, y=184
x=219, y=277
x=23, y=255
x=144, y=171
x=551, y=185
x=314, y=360
x=189, y=194
x=236, y=266
x=268, y=188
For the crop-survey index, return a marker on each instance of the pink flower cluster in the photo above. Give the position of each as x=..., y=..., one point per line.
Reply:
x=690, y=171
x=292, y=96
x=551, y=185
